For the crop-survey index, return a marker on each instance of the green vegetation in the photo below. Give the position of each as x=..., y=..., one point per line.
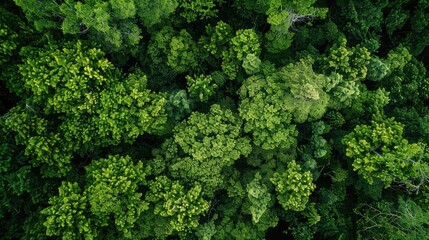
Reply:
x=214, y=119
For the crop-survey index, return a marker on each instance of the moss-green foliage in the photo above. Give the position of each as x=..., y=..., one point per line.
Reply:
x=252, y=64
x=182, y=208
x=245, y=42
x=178, y=104
x=111, y=188
x=293, y=187
x=42, y=13
x=377, y=69
x=368, y=21
x=271, y=104
x=182, y=55
x=259, y=198
x=350, y=63
x=177, y=50
x=128, y=109
x=43, y=147
x=334, y=220
x=201, y=87
x=110, y=192
x=268, y=121
x=198, y=10
x=283, y=16
x=380, y=152
x=67, y=80
x=154, y=12
x=218, y=37
x=203, y=145
x=408, y=83
x=66, y=217
x=94, y=107
x=214, y=119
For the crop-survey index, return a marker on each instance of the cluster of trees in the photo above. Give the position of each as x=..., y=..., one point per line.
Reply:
x=214, y=119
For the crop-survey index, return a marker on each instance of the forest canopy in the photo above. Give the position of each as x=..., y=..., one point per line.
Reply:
x=214, y=119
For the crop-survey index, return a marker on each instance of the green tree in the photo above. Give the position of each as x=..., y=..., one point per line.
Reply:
x=183, y=53
x=403, y=219
x=272, y=102
x=217, y=38
x=368, y=105
x=44, y=14
x=250, y=117
x=408, y=80
x=78, y=82
x=361, y=19
x=173, y=50
x=82, y=100
x=114, y=23
x=380, y=152
x=178, y=104
x=67, y=80
x=198, y=10
x=110, y=192
x=15, y=34
x=44, y=148
x=265, y=114
x=351, y=63
x=252, y=64
x=259, y=198
x=203, y=145
x=201, y=87
x=377, y=69
x=245, y=41
x=8, y=36
x=67, y=216
x=293, y=187
x=128, y=109
x=283, y=16
x=335, y=220
x=155, y=12
x=180, y=206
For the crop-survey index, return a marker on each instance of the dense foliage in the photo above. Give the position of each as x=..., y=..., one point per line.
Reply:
x=214, y=119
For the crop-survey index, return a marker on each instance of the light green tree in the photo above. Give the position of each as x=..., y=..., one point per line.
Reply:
x=380, y=152
x=67, y=80
x=283, y=17
x=95, y=101
x=259, y=198
x=351, y=63
x=112, y=186
x=201, y=87
x=111, y=192
x=203, y=145
x=67, y=216
x=245, y=41
x=181, y=207
x=293, y=187
x=273, y=101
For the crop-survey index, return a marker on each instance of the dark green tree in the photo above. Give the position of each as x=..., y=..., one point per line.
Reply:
x=392, y=220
